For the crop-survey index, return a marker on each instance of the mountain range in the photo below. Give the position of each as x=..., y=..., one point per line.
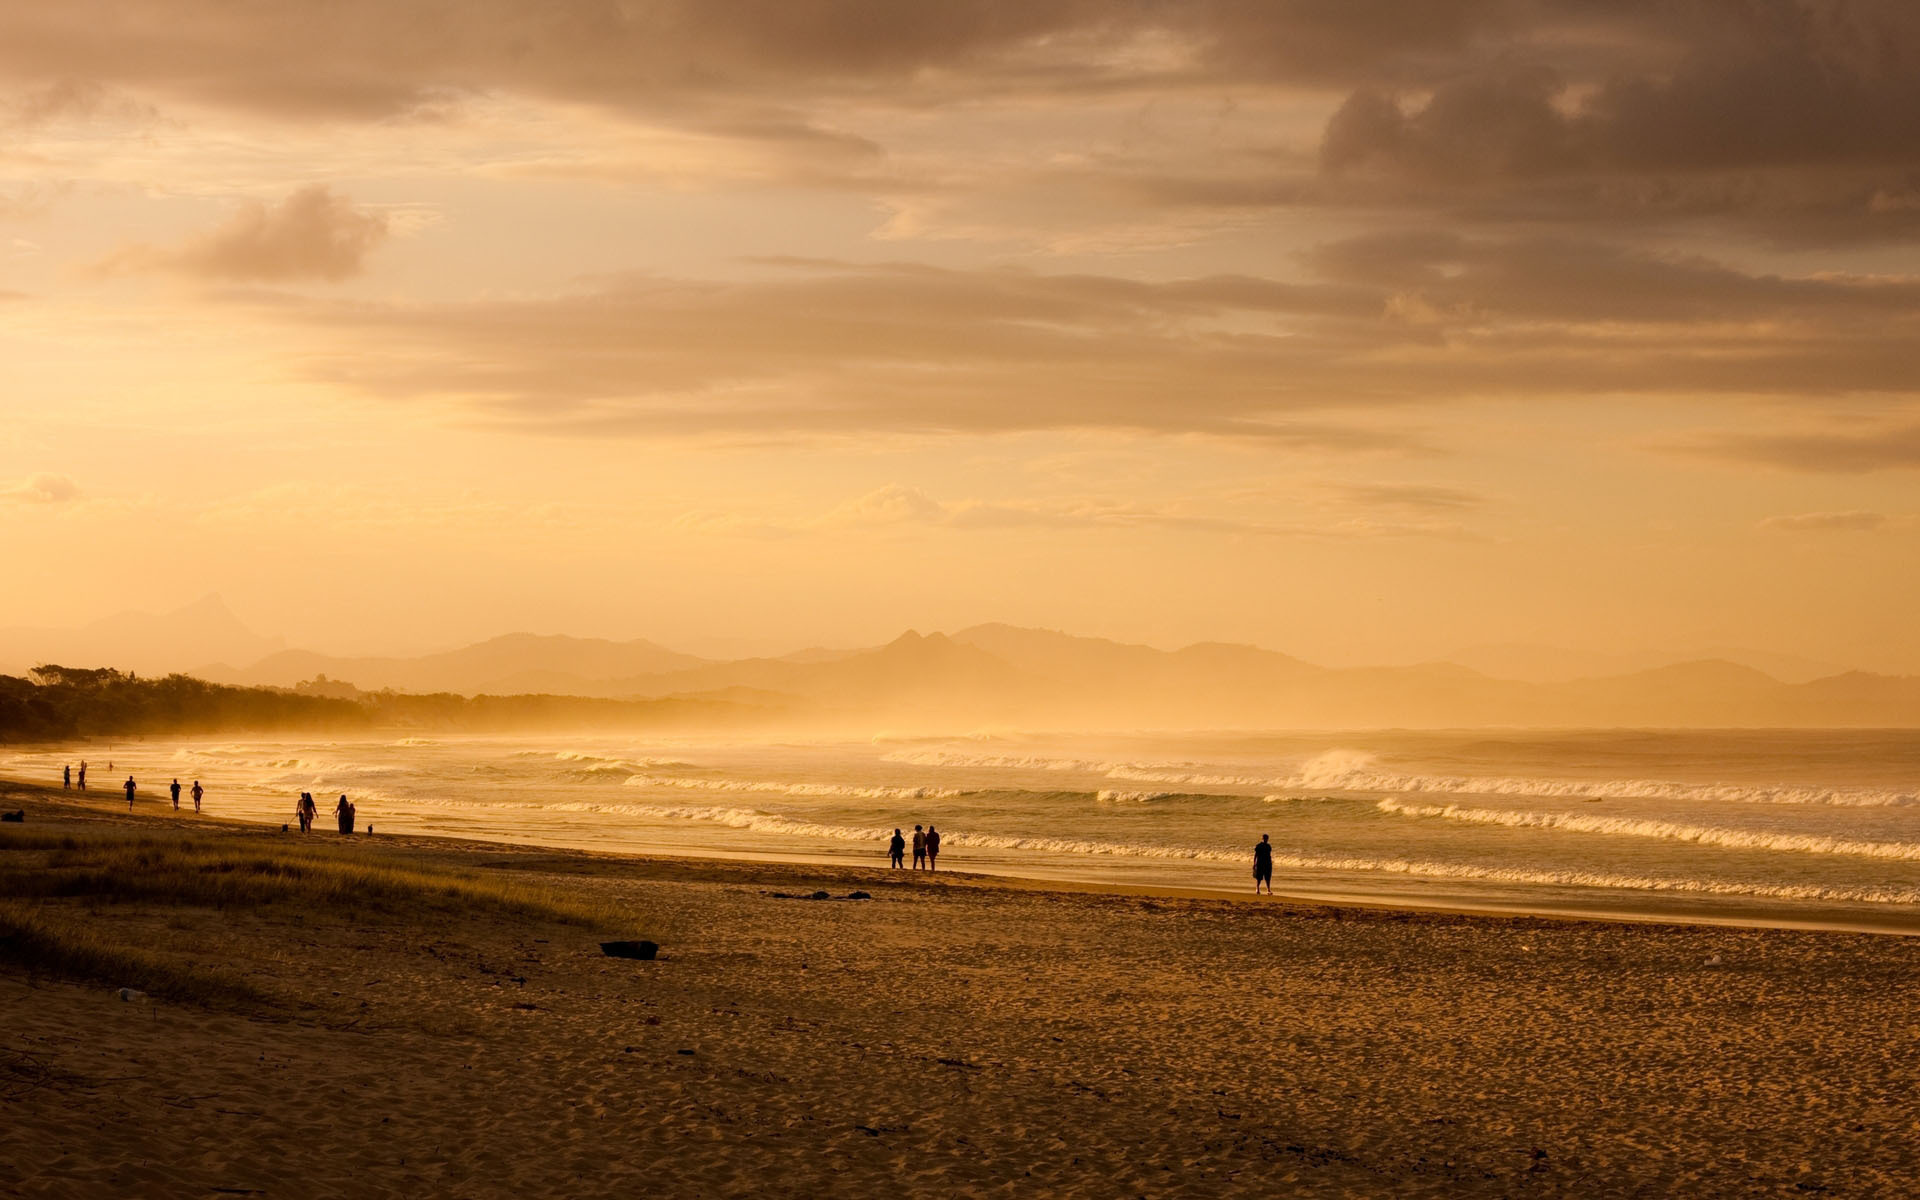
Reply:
x=999, y=674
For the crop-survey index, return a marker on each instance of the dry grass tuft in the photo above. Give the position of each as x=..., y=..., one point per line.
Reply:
x=34, y=940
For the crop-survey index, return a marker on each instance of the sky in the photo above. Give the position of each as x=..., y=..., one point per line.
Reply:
x=1364, y=331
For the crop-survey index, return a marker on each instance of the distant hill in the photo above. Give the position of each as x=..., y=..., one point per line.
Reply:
x=1530, y=663
x=149, y=643
x=515, y=664
x=998, y=674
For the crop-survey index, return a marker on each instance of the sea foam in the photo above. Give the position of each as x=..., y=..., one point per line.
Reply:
x=1703, y=835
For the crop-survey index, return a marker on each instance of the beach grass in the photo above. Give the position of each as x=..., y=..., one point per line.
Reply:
x=234, y=873
x=34, y=940
x=54, y=885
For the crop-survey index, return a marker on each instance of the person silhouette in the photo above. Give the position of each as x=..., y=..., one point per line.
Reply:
x=919, y=848
x=344, y=811
x=129, y=787
x=306, y=810
x=1263, y=865
x=66, y=777
x=83, y=775
x=933, y=848
x=897, y=848
x=198, y=792
x=175, y=789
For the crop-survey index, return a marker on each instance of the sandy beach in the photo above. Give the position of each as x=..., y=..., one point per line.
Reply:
x=947, y=1036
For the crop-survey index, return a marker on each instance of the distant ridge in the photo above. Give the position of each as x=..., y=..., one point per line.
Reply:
x=510, y=664
x=1001, y=674
x=1043, y=678
x=150, y=643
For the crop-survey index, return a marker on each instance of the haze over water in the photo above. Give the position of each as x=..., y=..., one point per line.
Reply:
x=1820, y=827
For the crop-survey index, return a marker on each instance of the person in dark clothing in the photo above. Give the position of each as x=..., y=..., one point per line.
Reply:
x=344, y=811
x=83, y=775
x=933, y=848
x=66, y=776
x=897, y=849
x=919, y=848
x=306, y=811
x=129, y=787
x=197, y=793
x=175, y=789
x=1263, y=865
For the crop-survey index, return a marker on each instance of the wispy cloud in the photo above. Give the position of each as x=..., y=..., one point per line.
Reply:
x=1838, y=523
x=902, y=507
x=314, y=233
x=41, y=489
x=1850, y=451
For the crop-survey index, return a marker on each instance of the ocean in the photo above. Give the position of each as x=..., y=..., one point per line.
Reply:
x=1777, y=827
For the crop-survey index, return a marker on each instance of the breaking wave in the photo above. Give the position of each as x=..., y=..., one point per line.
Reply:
x=1357, y=771
x=828, y=790
x=1702, y=835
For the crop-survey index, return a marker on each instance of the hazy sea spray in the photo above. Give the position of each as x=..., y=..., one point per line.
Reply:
x=1358, y=771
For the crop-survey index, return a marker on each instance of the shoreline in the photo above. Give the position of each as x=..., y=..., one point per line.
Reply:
x=800, y=866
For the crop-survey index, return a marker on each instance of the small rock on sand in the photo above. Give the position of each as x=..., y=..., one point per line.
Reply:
x=641, y=950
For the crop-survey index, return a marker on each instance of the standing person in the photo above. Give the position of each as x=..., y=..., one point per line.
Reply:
x=1263, y=865
x=197, y=793
x=129, y=787
x=66, y=777
x=175, y=789
x=919, y=849
x=83, y=774
x=344, y=812
x=897, y=849
x=933, y=848
x=306, y=810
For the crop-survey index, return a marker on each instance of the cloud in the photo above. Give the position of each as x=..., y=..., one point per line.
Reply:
x=1393, y=325
x=901, y=507
x=1795, y=120
x=41, y=489
x=1828, y=522
x=313, y=234
x=1835, y=452
x=1413, y=496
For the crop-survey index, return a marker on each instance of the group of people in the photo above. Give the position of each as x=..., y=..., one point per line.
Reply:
x=304, y=812
x=926, y=848
x=343, y=812
x=68, y=780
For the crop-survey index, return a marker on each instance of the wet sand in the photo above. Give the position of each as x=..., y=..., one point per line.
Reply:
x=951, y=1036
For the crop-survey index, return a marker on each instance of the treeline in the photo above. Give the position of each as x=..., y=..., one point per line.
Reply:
x=61, y=703
x=58, y=703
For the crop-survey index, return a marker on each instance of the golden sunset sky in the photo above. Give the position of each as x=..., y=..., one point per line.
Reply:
x=1364, y=331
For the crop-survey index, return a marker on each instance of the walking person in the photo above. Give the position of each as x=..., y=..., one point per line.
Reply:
x=1263, y=865
x=919, y=849
x=197, y=793
x=344, y=812
x=933, y=848
x=83, y=774
x=66, y=777
x=306, y=811
x=897, y=849
x=129, y=787
x=175, y=789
